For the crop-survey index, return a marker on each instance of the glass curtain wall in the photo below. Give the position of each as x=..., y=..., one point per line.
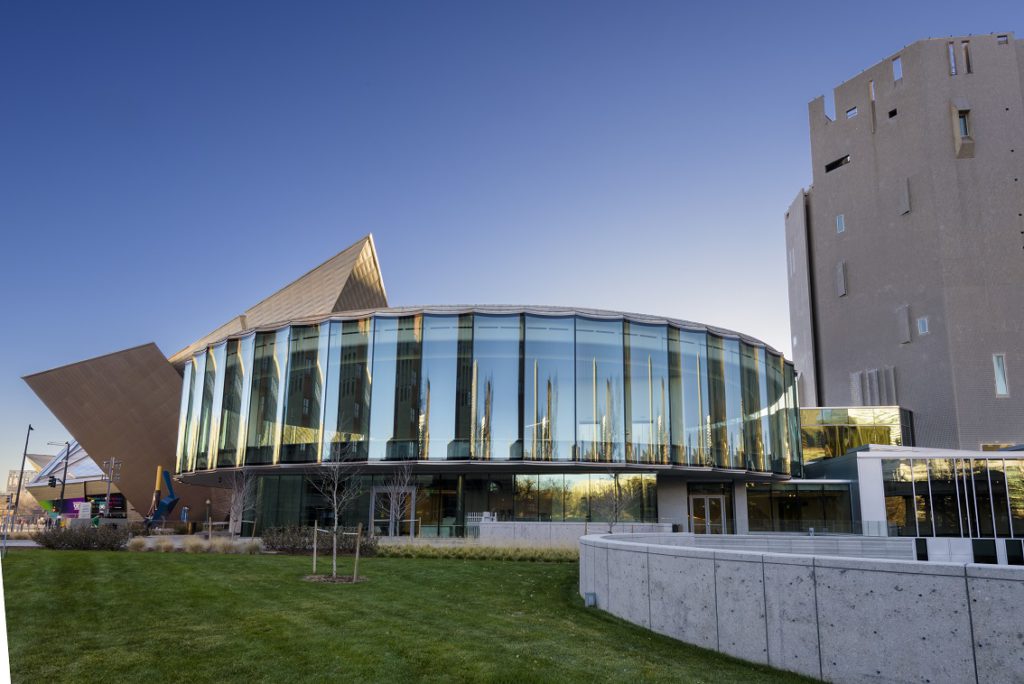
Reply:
x=599, y=390
x=646, y=387
x=487, y=387
x=549, y=424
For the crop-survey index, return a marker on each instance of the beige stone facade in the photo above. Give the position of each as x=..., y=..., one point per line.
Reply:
x=906, y=256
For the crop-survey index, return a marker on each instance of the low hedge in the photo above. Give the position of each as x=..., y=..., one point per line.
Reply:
x=104, y=538
x=299, y=540
x=473, y=552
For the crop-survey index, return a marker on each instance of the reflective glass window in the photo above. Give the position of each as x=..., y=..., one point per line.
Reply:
x=726, y=402
x=792, y=464
x=750, y=383
x=945, y=506
x=688, y=379
x=631, y=497
x=231, y=406
x=646, y=383
x=922, y=497
x=303, y=395
x=394, y=421
x=838, y=509
x=187, y=385
x=604, y=498
x=549, y=402
x=347, y=391
x=777, y=414
x=900, y=506
x=206, y=413
x=438, y=389
x=195, y=416
x=497, y=388
x=599, y=390
x=527, y=488
x=1000, y=501
x=759, y=507
x=983, y=499
x=550, y=498
x=460, y=447
x=1014, y=471
x=576, y=497
x=259, y=445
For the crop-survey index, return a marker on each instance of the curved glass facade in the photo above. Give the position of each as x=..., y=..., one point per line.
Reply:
x=482, y=386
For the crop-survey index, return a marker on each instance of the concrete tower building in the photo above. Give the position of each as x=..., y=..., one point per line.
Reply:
x=906, y=256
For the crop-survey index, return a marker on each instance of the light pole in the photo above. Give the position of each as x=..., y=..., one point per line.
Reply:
x=17, y=496
x=113, y=467
x=63, y=480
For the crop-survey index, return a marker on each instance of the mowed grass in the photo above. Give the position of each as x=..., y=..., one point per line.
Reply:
x=149, y=617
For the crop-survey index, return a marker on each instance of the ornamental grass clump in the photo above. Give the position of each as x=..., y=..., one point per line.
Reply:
x=138, y=544
x=475, y=552
x=195, y=545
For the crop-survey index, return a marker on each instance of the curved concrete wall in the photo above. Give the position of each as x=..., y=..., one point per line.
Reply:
x=841, y=619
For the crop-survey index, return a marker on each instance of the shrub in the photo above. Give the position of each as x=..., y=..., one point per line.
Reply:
x=82, y=538
x=250, y=547
x=474, y=552
x=195, y=545
x=221, y=545
x=138, y=544
x=299, y=540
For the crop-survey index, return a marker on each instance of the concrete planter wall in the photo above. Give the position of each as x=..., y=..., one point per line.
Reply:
x=841, y=619
x=544, y=534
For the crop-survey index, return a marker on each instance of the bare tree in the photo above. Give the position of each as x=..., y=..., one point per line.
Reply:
x=608, y=501
x=242, y=491
x=399, y=487
x=340, y=484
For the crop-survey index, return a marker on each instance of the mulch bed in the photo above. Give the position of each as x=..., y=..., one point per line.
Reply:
x=327, y=579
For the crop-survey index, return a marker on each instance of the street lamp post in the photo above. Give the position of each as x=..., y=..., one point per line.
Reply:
x=17, y=496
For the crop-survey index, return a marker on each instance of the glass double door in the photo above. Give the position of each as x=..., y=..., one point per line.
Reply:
x=708, y=514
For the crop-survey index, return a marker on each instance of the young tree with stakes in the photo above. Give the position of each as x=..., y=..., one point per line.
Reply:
x=340, y=484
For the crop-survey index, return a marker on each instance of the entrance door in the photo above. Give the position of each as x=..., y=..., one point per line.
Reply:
x=391, y=513
x=707, y=514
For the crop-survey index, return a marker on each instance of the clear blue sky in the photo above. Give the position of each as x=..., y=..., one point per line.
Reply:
x=163, y=166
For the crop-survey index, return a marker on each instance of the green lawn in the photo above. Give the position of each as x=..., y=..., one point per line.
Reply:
x=152, y=617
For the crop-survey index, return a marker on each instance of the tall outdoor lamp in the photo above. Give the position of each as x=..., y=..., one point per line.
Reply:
x=63, y=480
x=9, y=521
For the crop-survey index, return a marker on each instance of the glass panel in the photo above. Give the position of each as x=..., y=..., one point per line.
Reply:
x=526, y=497
x=459, y=448
x=500, y=496
x=550, y=402
x=922, y=497
x=764, y=463
x=699, y=516
x=347, y=391
x=577, y=497
x=259, y=447
x=750, y=388
x=836, y=503
x=777, y=413
x=759, y=507
x=300, y=434
x=394, y=421
x=646, y=383
x=185, y=412
x=983, y=499
x=497, y=388
x=631, y=497
x=599, y=388
x=603, y=498
x=199, y=365
x=1000, y=502
x=899, y=497
x=231, y=406
x=437, y=391
x=726, y=402
x=945, y=509
x=550, y=499
x=1015, y=491
x=689, y=400
x=715, y=515
x=794, y=464
x=786, y=509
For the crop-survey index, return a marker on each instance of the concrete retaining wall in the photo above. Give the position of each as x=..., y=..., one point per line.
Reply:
x=840, y=619
x=553, y=534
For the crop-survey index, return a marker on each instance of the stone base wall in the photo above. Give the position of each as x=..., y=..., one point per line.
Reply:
x=840, y=619
x=544, y=534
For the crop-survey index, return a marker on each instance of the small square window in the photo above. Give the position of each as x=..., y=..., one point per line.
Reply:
x=963, y=118
x=840, y=223
x=999, y=366
x=851, y=112
x=892, y=113
x=1003, y=40
x=922, y=325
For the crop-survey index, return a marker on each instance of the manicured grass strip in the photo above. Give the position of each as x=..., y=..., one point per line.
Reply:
x=145, y=617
